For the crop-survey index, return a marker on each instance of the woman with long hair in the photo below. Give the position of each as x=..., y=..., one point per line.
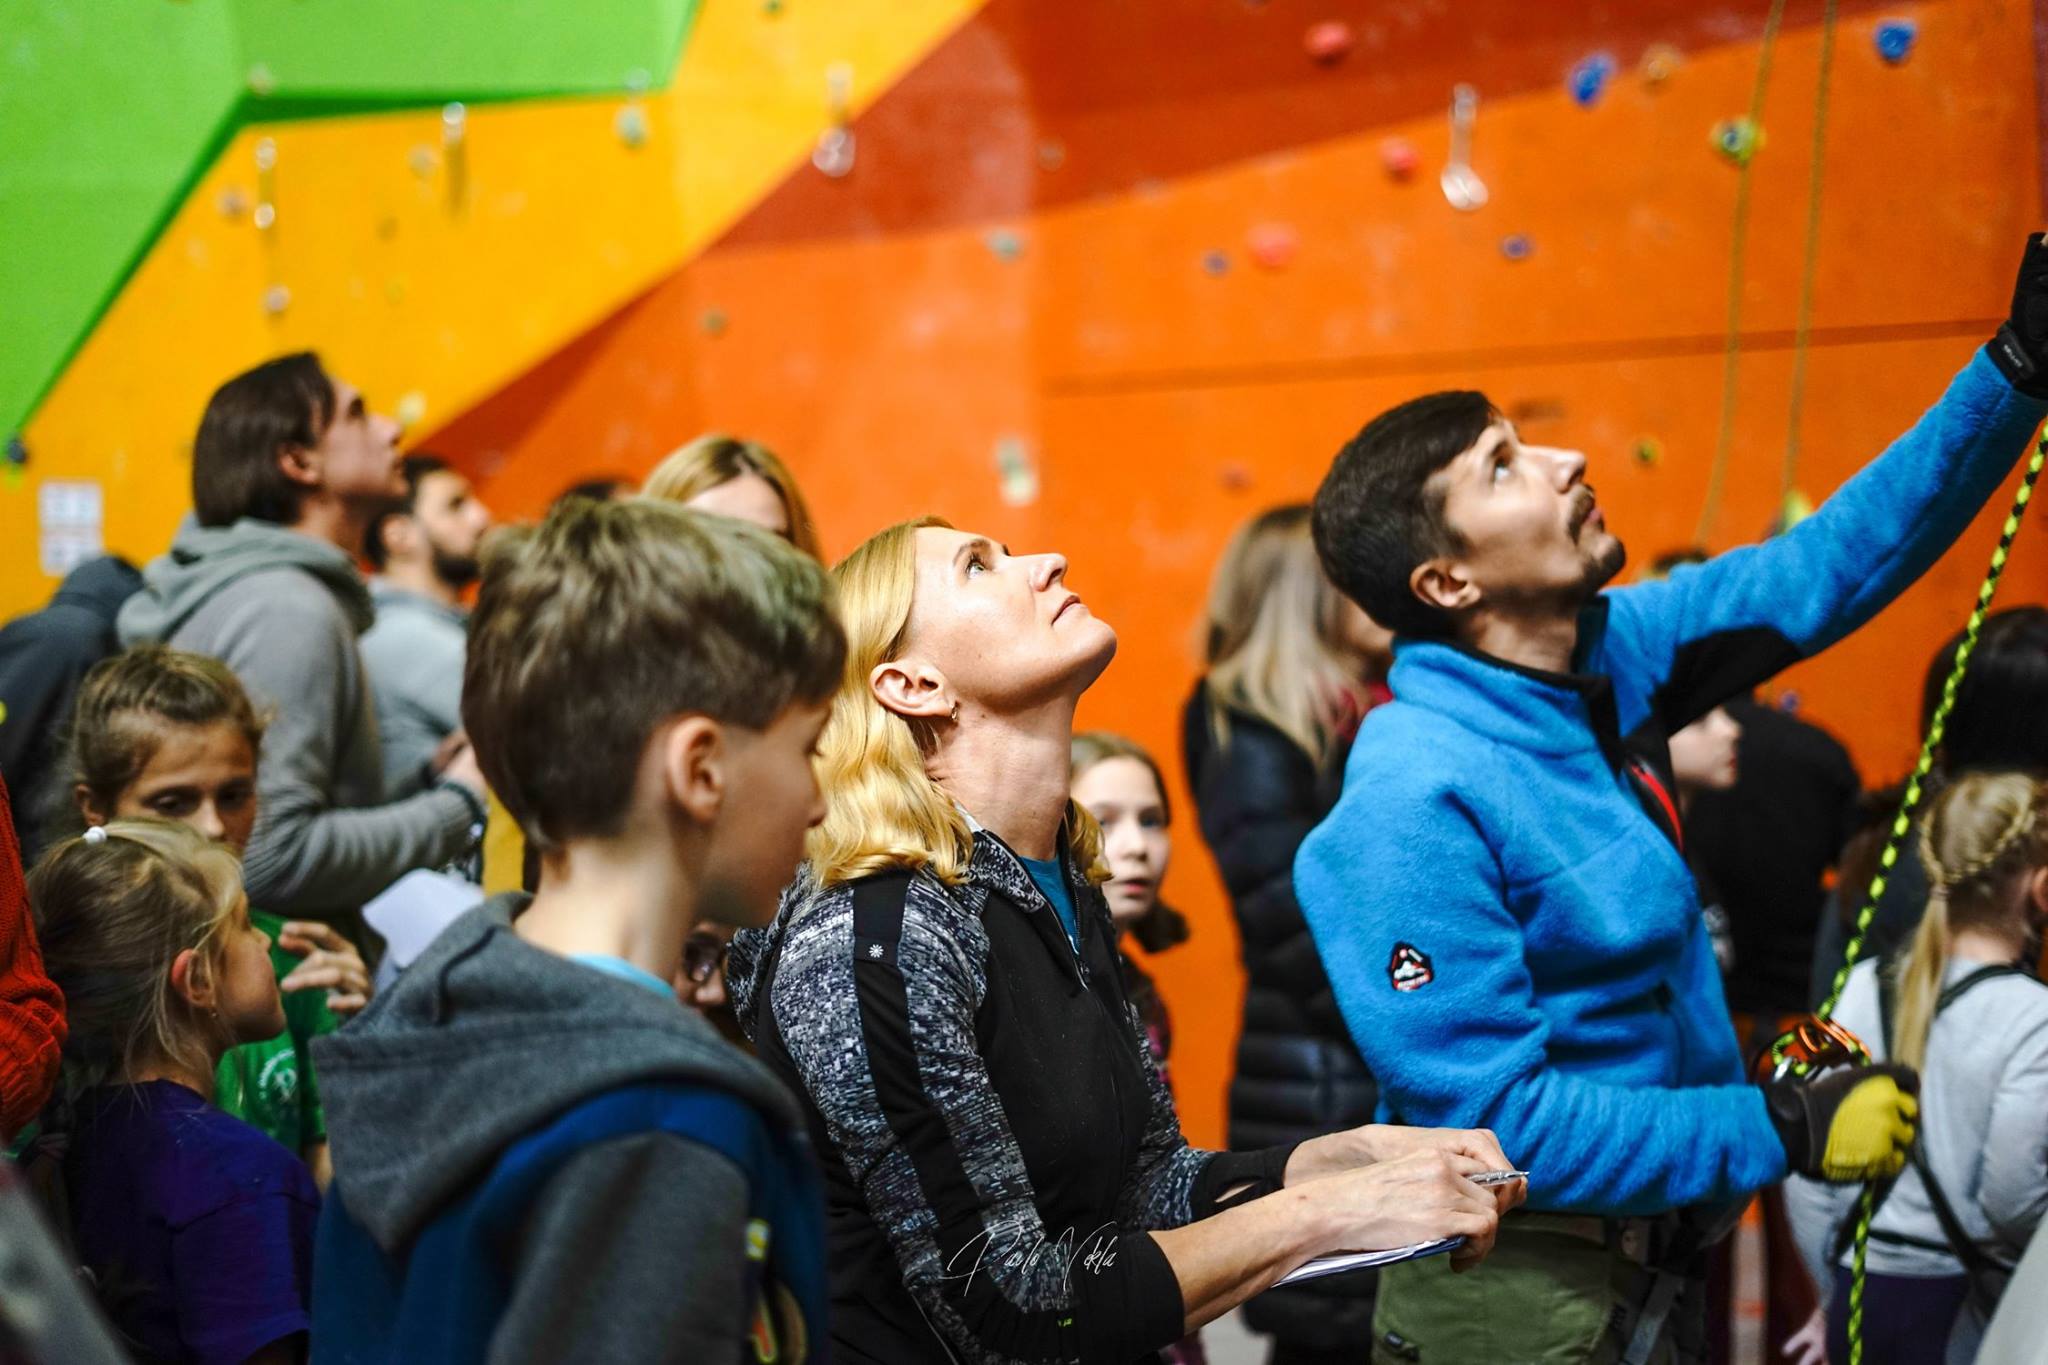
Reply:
x=1292, y=668
x=735, y=478
x=1962, y=1006
x=1006, y=1176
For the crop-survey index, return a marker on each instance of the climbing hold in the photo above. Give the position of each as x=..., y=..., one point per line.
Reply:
x=1738, y=139
x=1589, y=78
x=276, y=299
x=1272, y=245
x=1328, y=42
x=1788, y=702
x=1796, y=508
x=17, y=451
x=771, y=8
x=1399, y=157
x=265, y=217
x=1236, y=476
x=454, y=122
x=1052, y=154
x=1516, y=247
x=631, y=125
x=411, y=408
x=1017, y=474
x=713, y=322
x=1004, y=244
x=261, y=82
x=1895, y=40
x=834, y=153
x=1216, y=262
x=1660, y=63
x=422, y=160
x=232, y=203
x=1649, y=451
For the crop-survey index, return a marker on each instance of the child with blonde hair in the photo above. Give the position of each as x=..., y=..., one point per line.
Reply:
x=162, y=733
x=1964, y=1008
x=195, y=1229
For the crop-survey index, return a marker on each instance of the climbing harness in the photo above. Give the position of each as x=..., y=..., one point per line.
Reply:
x=1818, y=1043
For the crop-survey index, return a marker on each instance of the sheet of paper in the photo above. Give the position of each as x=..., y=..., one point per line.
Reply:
x=412, y=912
x=1363, y=1260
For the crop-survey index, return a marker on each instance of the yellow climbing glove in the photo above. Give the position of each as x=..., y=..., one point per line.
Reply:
x=1848, y=1124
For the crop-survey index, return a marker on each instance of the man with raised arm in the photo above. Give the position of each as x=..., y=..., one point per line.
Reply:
x=1500, y=898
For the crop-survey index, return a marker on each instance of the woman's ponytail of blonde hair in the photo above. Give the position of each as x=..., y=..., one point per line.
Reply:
x=1982, y=831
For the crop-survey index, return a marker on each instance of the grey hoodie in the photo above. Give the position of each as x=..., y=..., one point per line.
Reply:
x=283, y=611
x=635, y=1250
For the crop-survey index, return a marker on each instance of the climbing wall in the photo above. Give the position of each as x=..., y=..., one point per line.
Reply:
x=1111, y=278
x=1105, y=277
x=437, y=198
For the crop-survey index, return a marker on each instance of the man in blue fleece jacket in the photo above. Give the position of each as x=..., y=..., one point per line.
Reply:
x=1499, y=898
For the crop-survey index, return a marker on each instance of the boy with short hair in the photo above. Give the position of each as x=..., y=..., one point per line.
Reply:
x=539, y=1154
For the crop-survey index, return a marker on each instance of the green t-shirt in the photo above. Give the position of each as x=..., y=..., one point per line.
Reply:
x=270, y=1084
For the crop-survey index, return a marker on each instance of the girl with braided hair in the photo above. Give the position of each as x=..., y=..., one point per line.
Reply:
x=1963, y=1006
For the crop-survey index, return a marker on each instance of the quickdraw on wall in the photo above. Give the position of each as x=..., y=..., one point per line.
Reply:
x=1818, y=1043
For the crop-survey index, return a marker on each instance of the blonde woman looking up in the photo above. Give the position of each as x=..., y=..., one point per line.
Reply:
x=746, y=481
x=1963, y=1007
x=1292, y=668
x=740, y=479
x=1006, y=1176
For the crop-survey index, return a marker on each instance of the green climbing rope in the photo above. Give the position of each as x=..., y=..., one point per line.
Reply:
x=1901, y=824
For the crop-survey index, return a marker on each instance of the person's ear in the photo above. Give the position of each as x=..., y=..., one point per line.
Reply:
x=191, y=982
x=695, y=757
x=911, y=689
x=301, y=464
x=1445, y=584
x=2037, y=894
x=89, y=809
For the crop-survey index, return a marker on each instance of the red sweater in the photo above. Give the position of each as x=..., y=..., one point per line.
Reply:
x=31, y=1007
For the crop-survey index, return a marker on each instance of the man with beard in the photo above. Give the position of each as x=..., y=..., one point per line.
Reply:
x=425, y=553
x=289, y=467
x=1499, y=896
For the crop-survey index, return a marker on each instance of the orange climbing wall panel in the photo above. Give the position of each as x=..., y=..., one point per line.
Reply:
x=879, y=335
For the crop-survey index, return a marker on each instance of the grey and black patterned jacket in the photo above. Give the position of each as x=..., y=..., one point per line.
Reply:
x=996, y=1139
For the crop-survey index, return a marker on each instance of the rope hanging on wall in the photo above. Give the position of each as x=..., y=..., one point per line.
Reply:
x=1731, y=348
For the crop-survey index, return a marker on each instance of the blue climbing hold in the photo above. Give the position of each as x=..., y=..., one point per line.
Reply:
x=1516, y=247
x=1895, y=39
x=1216, y=262
x=1589, y=78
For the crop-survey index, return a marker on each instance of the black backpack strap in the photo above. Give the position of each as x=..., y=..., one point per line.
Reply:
x=1975, y=979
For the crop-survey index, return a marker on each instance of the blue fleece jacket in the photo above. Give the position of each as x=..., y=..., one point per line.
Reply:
x=1514, y=941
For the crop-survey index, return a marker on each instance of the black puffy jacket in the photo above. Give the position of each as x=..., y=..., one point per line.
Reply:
x=1298, y=1073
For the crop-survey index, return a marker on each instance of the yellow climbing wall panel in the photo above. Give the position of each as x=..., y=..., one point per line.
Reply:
x=430, y=270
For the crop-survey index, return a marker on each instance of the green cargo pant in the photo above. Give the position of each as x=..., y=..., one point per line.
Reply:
x=1552, y=1292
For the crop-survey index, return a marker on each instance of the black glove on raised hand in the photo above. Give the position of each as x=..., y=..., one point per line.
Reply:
x=1849, y=1124
x=2020, y=348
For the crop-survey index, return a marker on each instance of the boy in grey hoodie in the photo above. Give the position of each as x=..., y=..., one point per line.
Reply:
x=288, y=469
x=539, y=1154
